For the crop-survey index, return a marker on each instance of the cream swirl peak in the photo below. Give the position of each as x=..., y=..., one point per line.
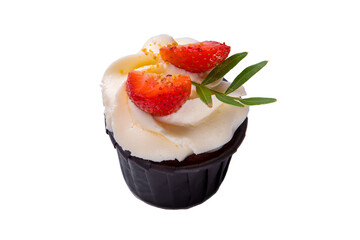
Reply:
x=193, y=128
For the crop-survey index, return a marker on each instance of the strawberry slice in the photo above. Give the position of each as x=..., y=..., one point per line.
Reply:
x=196, y=57
x=158, y=94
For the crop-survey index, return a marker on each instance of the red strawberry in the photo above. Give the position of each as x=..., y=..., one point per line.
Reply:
x=196, y=57
x=158, y=94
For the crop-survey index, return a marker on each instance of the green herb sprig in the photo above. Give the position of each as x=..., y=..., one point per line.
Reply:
x=219, y=71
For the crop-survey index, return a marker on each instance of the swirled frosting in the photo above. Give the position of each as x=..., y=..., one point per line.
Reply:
x=194, y=128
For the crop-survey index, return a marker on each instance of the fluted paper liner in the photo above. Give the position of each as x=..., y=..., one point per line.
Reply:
x=173, y=184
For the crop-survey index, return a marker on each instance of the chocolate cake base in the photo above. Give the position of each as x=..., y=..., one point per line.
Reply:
x=175, y=185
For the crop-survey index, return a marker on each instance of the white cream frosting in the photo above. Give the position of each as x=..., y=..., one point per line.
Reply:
x=194, y=128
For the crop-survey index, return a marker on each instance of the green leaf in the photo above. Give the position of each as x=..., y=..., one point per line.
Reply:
x=229, y=100
x=257, y=101
x=223, y=68
x=245, y=75
x=204, y=94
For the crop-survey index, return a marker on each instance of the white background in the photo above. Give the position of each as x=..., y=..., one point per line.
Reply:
x=296, y=176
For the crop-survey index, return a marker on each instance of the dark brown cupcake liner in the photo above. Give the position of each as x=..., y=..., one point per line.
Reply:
x=175, y=185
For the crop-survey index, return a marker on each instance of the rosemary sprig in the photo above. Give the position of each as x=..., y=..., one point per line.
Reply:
x=229, y=100
x=257, y=101
x=219, y=72
x=245, y=75
x=204, y=94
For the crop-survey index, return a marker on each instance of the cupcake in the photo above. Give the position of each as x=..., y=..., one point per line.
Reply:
x=174, y=120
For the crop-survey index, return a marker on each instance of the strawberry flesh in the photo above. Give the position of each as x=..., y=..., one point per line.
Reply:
x=158, y=94
x=196, y=57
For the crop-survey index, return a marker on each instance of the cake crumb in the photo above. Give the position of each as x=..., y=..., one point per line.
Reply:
x=144, y=50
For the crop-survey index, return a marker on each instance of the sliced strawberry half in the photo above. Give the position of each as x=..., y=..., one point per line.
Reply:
x=158, y=94
x=196, y=57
